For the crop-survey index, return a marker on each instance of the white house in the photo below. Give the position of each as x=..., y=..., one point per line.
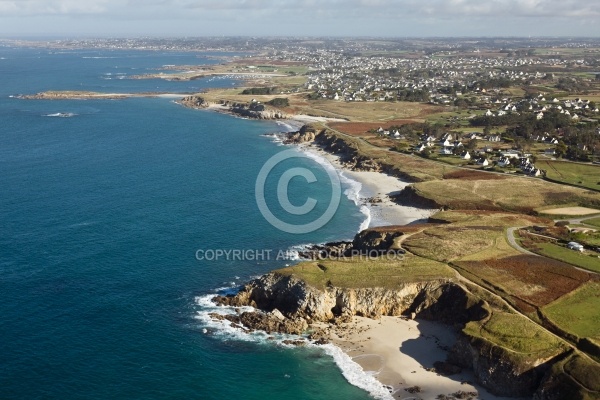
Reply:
x=511, y=154
x=466, y=156
x=504, y=162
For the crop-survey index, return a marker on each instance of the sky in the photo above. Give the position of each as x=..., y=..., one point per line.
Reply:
x=388, y=18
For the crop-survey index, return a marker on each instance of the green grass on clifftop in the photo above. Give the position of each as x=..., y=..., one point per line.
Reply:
x=522, y=338
x=361, y=273
x=578, y=312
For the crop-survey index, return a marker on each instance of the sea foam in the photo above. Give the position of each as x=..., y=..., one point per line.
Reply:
x=60, y=115
x=353, y=187
x=224, y=330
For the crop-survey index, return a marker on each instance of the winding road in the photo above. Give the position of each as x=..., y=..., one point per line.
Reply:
x=510, y=234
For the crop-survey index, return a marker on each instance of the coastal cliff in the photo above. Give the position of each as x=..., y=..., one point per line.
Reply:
x=289, y=301
x=253, y=110
x=352, y=158
x=508, y=354
x=194, y=101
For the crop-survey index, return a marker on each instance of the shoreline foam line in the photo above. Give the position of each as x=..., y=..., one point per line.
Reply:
x=355, y=191
x=223, y=330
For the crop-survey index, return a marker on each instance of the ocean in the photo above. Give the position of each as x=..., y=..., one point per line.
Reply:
x=104, y=208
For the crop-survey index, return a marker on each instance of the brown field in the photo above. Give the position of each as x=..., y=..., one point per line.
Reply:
x=403, y=228
x=471, y=235
x=264, y=61
x=472, y=175
x=500, y=218
x=361, y=111
x=514, y=193
x=529, y=282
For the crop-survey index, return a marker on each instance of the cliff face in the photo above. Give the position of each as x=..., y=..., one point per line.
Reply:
x=494, y=366
x=252, y=110
x=306, y=134
x=256, y=111
x=352, y=158
x=295, y=299
x=194, y=101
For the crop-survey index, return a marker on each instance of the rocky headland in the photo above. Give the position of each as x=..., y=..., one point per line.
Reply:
x=286, y=303
x=252, y=110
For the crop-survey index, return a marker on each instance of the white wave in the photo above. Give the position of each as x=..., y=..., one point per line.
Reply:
x=287, y=126
x=353, y=187
x=292, y=254
x=353, y=193
x=355, y=375
x=96, y=57
x=367, y=221
x=224, y=330
x=353, y=190
x=319, y=160
x=296, y=249
x=275, y=138
x=61, y=115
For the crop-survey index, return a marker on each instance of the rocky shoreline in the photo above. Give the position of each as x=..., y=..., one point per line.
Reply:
x=287, y=304
x=253, y=110
x=350, y=159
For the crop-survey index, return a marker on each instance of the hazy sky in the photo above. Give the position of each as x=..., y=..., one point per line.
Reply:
x=300, y=17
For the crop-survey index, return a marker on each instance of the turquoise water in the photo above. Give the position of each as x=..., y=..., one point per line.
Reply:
x=101, y=216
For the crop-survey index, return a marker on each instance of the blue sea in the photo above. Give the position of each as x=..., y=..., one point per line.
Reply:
x=102, y=215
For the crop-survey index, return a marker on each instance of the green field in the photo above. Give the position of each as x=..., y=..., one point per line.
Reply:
x=584, y=175
x=578, y=312
x=513, y=332
x=593, y=222
x=572, y=257
x=358, y=272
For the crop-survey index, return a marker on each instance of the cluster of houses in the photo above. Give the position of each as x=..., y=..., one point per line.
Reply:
x=337, y=76
x=452, y=144
x=539, y=106
x=522, y=162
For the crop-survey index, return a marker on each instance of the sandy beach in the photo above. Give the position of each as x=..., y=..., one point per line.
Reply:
x=377, y=186
x=399, y=352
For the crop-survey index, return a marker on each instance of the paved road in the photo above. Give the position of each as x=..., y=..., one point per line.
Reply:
x=579, y=221
x=510, y=234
